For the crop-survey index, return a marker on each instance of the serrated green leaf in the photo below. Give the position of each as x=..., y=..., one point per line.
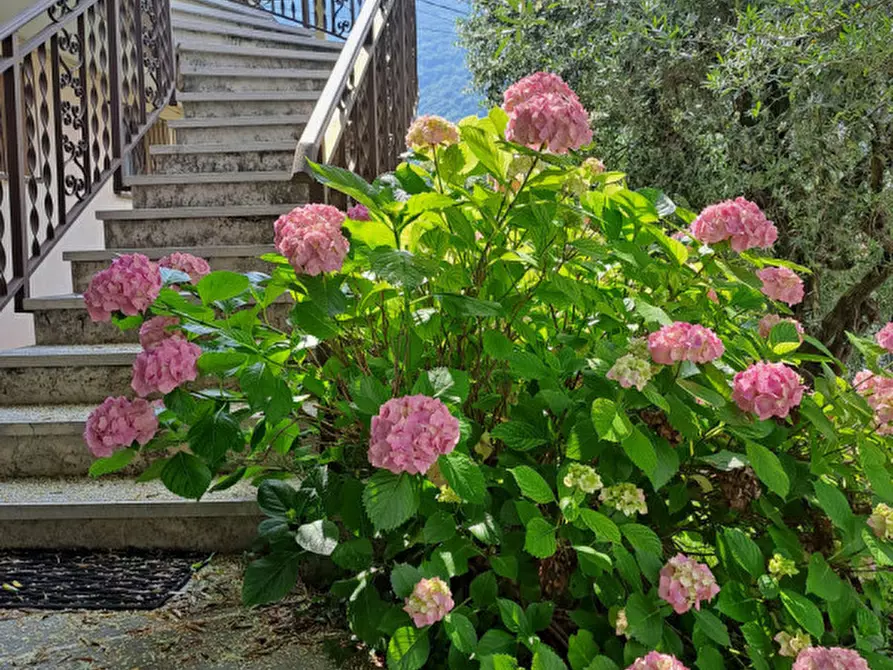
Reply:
x=611, y=423
x=645, y=620
x=605, y=529
x=464, y=477
x=519, y=436
x=804, y=612
x=745, y=551
x=117, y=461
x=408, y=648
x=390, y=499
x=642, y=538
x=539, y=540
x=768, y=469
x=532, y=484
x=461, y=632
x=712, y=627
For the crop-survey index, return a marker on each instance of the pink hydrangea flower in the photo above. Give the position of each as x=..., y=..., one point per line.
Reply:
x=781, y=284
x=431, y=601
x=740, y=221
x=767, y=389
x=684, y=583
x=157, y=329
x=878, y=393
x=310, y=238
x=712, y=296
x=551, y=121
x=410, y=433
x=430, y=131
x=194, y=266
x=829, y=658
x=129, y=285
x=358, y=213
x=538, y=83
x=656, y=661
x=768, y=322
x=118, y=423
x=166, y=366
x=885, y=337
x=681, y=341
x=629, y=371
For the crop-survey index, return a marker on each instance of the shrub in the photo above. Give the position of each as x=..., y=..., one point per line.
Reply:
x=530, y=420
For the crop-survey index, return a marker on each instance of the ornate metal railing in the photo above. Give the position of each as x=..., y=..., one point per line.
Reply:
x=82, y=81
x=370, y=98
x=334, y=17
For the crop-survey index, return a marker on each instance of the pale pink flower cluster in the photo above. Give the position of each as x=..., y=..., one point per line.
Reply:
x=791, y=645
x=129, y=285
x=545, y=113
x=656, y=661
x=885, y=337
x=881, y=521
x=431, y=601
x=878, y=393
x=358, y=212
x=629, y=371
x=166, y=366
x=194, y=266
x=157, y=329
x=621, y=623
x=829, y=658
x=740, y=221
x=768, y=322
x=431, y=131
x=118, y=423
x=781, y=284
x=410, y=433
x=310, y=238
x=681, y=341
x=684, y=583
x=767, y=389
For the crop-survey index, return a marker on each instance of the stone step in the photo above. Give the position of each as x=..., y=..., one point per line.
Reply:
x=65, y=374
x=240, y=129
x=245, y=258
x=192, y=27
x=197, y=54
x=205, y=104
x=232, y=7
x=190, y=226
x=234, y=157
x=116, y=513
x=206, y=78
x=226, y=17
x=211, y=188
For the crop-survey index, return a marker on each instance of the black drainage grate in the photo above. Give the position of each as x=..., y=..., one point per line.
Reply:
x=116, y=580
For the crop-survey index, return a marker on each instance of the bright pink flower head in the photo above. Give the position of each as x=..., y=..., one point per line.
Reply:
x=129, y=285
x=310, y=238
x=657, y=661
x=681, y=341
x=885, y=337
x=169, y=364
x=157, y=329
x=410, y=433
x=781, y=284
x=684, y=583
x=551, y=121
x=768, y=322
x=538, y=83
x=194, y=266
x=767, y=389
x=431, y=131
x=878, y=393
x=358, y=213
x=829, y=658
x=431, y=601
x=740, y=221
x=118, y=423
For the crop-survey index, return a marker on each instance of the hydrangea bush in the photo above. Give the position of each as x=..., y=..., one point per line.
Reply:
x=532, y=418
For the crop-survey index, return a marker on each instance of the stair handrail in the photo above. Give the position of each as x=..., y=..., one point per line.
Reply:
x=81, y=81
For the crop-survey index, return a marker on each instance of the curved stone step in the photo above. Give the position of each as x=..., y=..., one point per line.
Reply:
x=196, y=54
x=191, y=27
x=278, y=128
x=223, y=157
x=235, y=79
x=213, y=188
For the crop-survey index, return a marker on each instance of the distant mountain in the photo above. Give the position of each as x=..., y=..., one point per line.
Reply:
x=443, y=78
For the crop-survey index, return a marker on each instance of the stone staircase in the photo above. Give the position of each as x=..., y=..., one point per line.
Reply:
x=247, y=85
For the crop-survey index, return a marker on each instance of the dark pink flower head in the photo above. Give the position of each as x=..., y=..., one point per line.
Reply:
x=767, y=389
x=538, y=83
x=310, y=238
x=358, y=213
x=656, y=661
x=551, y=121
x=681, y=341
x=166, y=366
x=884, y=338
x=768, y=322
x=157, y=329
x=194, y=266
x=410, y=433
x=781, y=284
x=740, y=221
x=684, y=583
x=829, y=658
x=431, y=601
x=129, y=285
x=117, y=423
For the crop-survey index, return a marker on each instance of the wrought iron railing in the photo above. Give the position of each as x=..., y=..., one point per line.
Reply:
x=333, y=17
x=370, y=98
x=82, y=81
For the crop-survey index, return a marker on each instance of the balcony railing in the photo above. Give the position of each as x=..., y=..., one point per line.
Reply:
x=332, y=17
x=82, y=82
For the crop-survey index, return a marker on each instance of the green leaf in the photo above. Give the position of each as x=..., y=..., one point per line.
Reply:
x=390, y=499
x=463, y=305
x=526, y=365
x=768, y=468
x=497, y=345
x=117, y=461
x=373, y=234
x=404, y=577
x=581, y=649
x=513, y=617
x=461, y=632
x=544, y=658
x=804, y=612
x=355, y=555
x=485, y=528
x=497, y=661
x=605, y=530
x=346, y=182
x=602, y=663
x=214, y=435
x=313, y=321
x=539, y=540
x=266, y=392
x=464, y=476
x=874, y=464
x=822, y=580
x=712, y=627
x=270, y=578
x=710, y=658
x=640, y=451
x=398, y=267
x=645, y=620
x=439, y=527
x=709, y=396
x=494, y=641
x=642, y=538
x=784, y=338
x=276, y=497
x=519, y=436
x=834, y=504
x=223, y=362
x=611, y=423
x=221, y=285
x=186, y=476
x=532, y=484
x=428, y=202
x=408, y=648
x=318, y=537
x=745, y=551
x=484, y=147
x=484, y=589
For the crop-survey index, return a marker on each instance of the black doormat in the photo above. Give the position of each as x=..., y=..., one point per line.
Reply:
x=109, y=580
